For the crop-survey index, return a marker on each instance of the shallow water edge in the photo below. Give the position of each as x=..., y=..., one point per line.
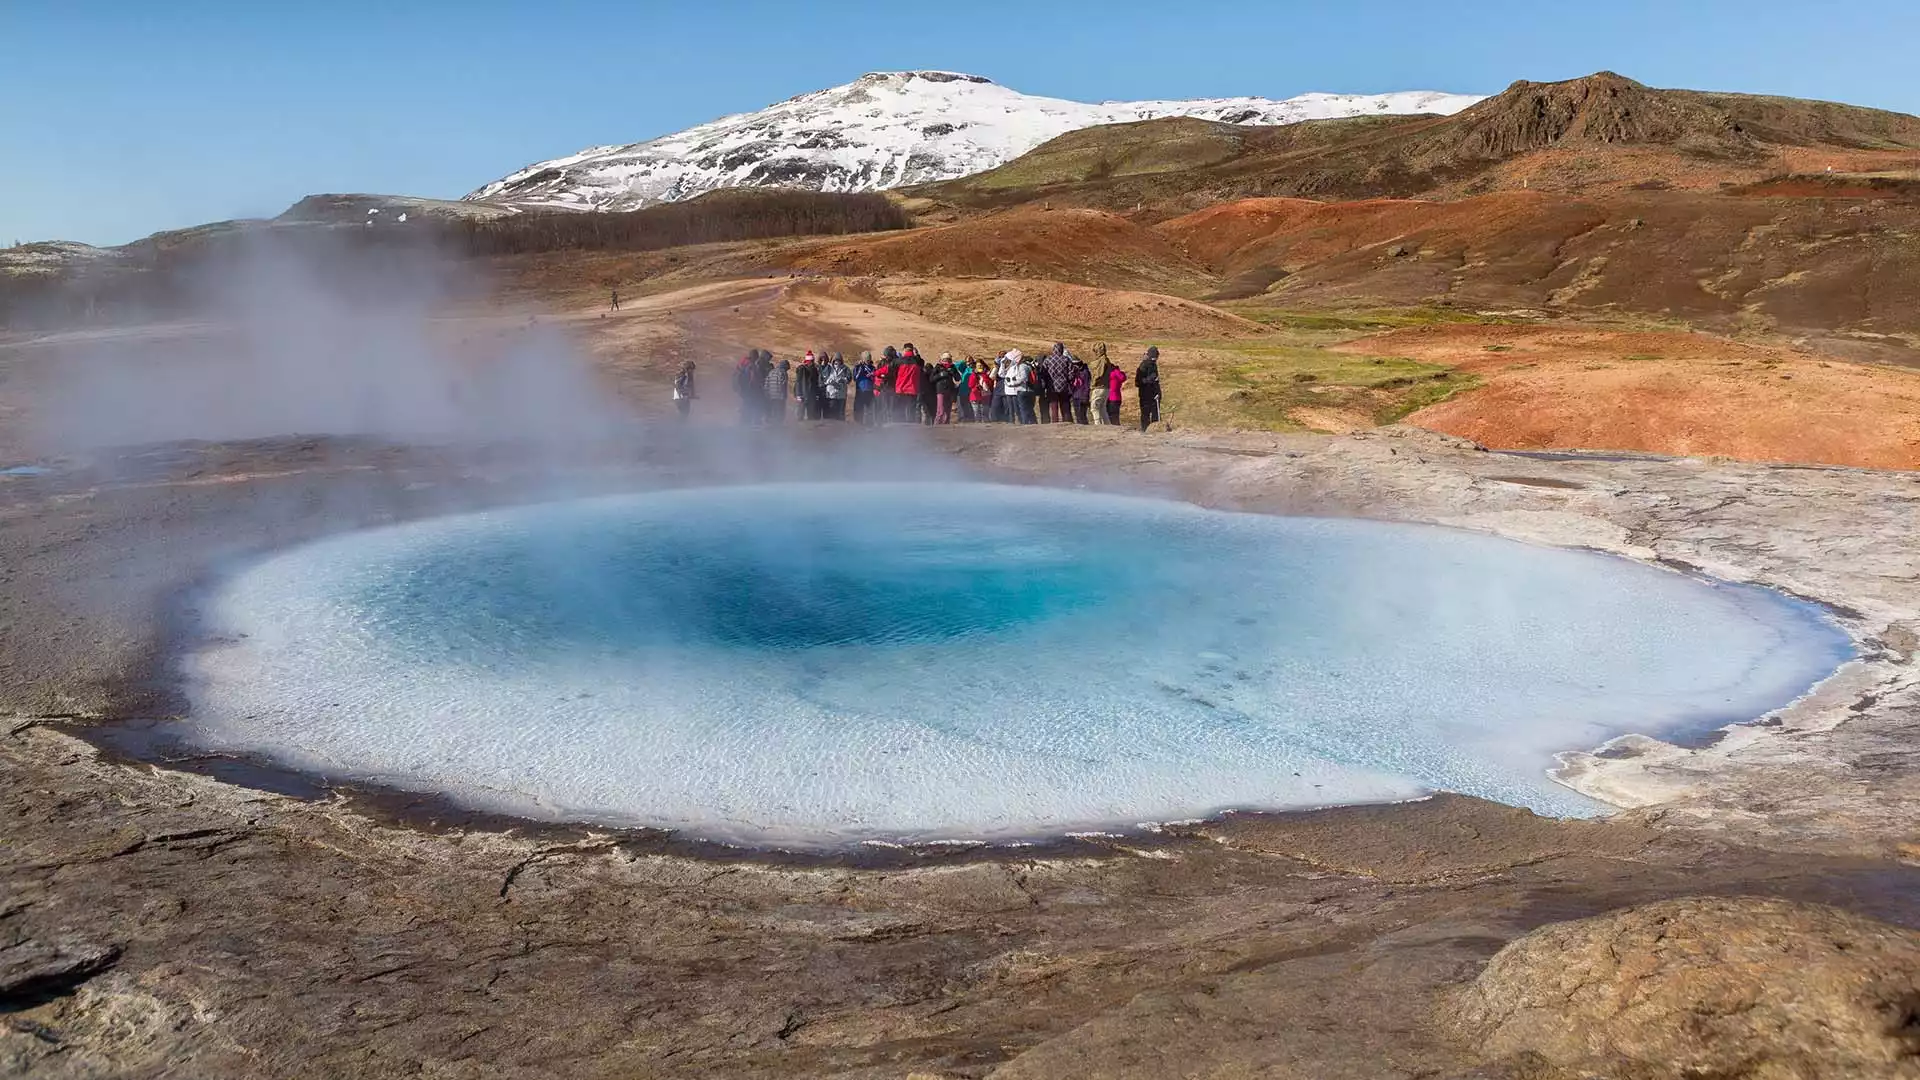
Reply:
x=444, y=806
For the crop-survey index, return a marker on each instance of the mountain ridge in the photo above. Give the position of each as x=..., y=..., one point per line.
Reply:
x=881, y=131
x=1599, y=132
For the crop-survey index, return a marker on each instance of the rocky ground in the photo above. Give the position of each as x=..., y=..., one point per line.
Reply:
x=165, y=920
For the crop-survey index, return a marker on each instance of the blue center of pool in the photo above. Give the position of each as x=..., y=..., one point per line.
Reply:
x=729, y=577
x=811, y=665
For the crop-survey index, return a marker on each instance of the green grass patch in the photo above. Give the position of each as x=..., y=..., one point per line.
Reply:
x=1364, y=319
x=1646, y=356
x=1434, y=390
x=1268, y=383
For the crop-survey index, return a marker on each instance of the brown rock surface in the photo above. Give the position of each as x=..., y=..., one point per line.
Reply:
x=1735, y=988
x=1461, y=839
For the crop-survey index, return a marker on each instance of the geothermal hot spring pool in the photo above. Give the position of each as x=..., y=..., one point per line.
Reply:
x=813, y=665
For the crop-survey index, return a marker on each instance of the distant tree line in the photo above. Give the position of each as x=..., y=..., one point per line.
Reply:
x=720, y=217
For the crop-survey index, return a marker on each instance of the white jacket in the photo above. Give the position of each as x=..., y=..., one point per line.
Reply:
x=1014, y=380
x=833, y=380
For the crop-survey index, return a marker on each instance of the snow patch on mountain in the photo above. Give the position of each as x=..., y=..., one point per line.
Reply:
x=883, y=130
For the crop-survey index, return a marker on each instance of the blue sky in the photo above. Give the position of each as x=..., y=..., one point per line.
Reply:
x=121, y=117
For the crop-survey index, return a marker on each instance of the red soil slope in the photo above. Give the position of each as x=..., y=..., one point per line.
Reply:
x=1846, y=271
x=1298, y=232
x=1087, y=247
x=1664, y=392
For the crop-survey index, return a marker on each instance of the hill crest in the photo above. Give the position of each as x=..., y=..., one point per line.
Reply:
x=885, y=129
x=1599, y=132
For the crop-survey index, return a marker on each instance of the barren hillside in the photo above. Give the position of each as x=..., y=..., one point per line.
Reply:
x=1600, y=133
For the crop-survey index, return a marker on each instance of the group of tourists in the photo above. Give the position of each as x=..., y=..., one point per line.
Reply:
x=902, y=387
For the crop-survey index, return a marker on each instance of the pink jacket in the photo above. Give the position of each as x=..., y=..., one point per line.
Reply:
x=1114, y=379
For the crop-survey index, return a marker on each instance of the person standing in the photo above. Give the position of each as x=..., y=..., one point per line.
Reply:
x=1146, y=382
x=907, y=374
x=683, y=393
x=883, y=377
x=1058, y=384
x=1079, y=388
x=980, y=391
x=946, y=381
x=1100, y=383
x=1017, y=387
x=806, y=387
x=776, y=387
x=746, y=389
x=928, y=400
x=1012, y=400
x=906, y=385
x=1037, y=387
x=863, y=389
x=1115, y=377
x=616, y=298
x=834, y=378
x=763, y=369
x=962, y=408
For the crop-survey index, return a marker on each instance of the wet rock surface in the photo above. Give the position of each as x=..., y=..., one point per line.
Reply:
x=263, y=934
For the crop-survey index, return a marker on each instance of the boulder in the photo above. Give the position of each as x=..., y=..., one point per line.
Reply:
x=1705, y=987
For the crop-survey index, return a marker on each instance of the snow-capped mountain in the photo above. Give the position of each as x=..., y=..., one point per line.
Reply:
x=880, y=131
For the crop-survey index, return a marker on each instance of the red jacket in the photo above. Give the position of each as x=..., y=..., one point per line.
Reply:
x=979, y=386
x=906, y=380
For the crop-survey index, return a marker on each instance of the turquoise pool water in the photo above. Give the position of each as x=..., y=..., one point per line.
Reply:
x=814, y=665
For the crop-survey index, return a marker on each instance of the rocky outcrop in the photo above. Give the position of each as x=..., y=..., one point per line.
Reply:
x=32, y=968
x=1724, y=988
x=1602, y=108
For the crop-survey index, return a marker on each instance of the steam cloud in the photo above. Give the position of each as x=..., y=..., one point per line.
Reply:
x=320, y=339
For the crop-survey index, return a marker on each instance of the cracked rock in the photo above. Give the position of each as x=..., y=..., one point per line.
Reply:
x=31, y=968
